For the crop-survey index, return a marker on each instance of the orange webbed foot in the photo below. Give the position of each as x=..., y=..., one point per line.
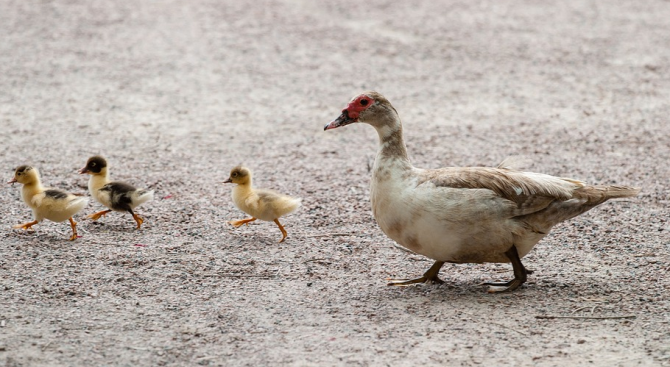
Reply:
x=139, y=220
x=283, y=231
x=73, y=225
x=96, y=216
x=240, y=222
x=25, y=226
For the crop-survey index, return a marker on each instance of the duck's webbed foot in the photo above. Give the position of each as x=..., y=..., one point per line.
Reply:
x=283, y=231
x=429, y=276
x=96, y=216
x=240, y=222
x=25, y=226
x=73, y=224
x=138, y=220
x=520, y=274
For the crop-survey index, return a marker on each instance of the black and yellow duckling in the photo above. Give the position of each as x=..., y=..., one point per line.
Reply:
x=117, y=196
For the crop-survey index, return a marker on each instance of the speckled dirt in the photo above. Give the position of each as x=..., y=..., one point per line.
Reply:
x=175, y=93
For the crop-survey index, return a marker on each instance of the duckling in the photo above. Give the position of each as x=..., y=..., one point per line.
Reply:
x=117, y=196
x=259, y=203
x=47, y=203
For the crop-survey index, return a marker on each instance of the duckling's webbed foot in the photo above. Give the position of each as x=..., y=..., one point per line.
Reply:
x=240, y=222
x=429, y=276
x=283, y=231
x=138, y=220
x=25, y=226
x=96, y=216
x=520, y=274
x=73, y=224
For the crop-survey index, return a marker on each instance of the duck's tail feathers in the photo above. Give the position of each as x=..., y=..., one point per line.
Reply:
x=142, y=196
x=600, y=193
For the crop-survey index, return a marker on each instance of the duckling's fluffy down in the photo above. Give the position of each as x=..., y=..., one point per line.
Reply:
x=56, y=208
x=267, y=204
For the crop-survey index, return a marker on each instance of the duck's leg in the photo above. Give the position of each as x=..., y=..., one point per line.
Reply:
x=96, y=216
x=73, y=224
x=137, y=218
x=240, y=222
x=430, y=275
x=25, y=226
x=283, y=231
x=520, y=274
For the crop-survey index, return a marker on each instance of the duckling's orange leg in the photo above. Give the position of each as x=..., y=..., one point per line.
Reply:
x=240, y=222
x=96, y=216
x=429, y=276
x=73, y=224
x=138, y=219
x=25, y=226
x=283, y=231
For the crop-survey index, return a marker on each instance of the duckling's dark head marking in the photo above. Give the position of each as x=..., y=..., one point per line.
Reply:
x=94, y=165
x=24, y=174
x=22, y=169
x=239, y=175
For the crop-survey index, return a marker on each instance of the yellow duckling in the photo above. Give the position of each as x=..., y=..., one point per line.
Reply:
x=117, y=196
x=259, y=203
x=47, y=203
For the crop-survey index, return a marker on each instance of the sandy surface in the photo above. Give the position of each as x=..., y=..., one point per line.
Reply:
x=175, y=93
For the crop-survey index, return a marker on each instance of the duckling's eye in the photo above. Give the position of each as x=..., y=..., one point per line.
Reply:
x=92, y=164
x=234, y=174
x=364, y=102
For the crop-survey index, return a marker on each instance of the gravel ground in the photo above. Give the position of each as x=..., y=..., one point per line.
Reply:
x=176, y=93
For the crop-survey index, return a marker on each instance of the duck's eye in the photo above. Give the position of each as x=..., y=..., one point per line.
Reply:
x=364, y=102
x=92, y=164
x=234, y=174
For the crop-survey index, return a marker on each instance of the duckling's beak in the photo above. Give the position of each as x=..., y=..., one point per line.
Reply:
x=342, y=120
x=229, y=180
x=83, y=170
x=12, y=180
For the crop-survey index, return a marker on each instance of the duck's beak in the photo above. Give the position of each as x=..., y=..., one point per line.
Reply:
x=12, y=180
x=228, y=180
x=83, y=170
x=342, y=120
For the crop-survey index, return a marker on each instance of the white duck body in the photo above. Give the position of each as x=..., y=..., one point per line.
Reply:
x=451, y=224
x=463, y=214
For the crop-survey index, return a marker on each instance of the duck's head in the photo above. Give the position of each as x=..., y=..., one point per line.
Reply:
x=25, y=175
x=369, y=107
x=239, y=175
x=95, y=165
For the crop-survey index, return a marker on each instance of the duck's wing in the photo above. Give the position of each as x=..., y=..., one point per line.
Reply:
x=522, y=192
x=120, y=194
x=56, y=200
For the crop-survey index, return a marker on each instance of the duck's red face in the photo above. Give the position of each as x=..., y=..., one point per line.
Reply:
x=352, y=112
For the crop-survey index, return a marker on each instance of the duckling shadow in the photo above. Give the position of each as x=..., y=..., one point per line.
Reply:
x=238, y=239
x=43, y=239
x=102, y=227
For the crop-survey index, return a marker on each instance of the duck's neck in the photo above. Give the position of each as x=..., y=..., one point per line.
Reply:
x=98, y=181
x=242, y=189
x=31, y=189
x=392, y=148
